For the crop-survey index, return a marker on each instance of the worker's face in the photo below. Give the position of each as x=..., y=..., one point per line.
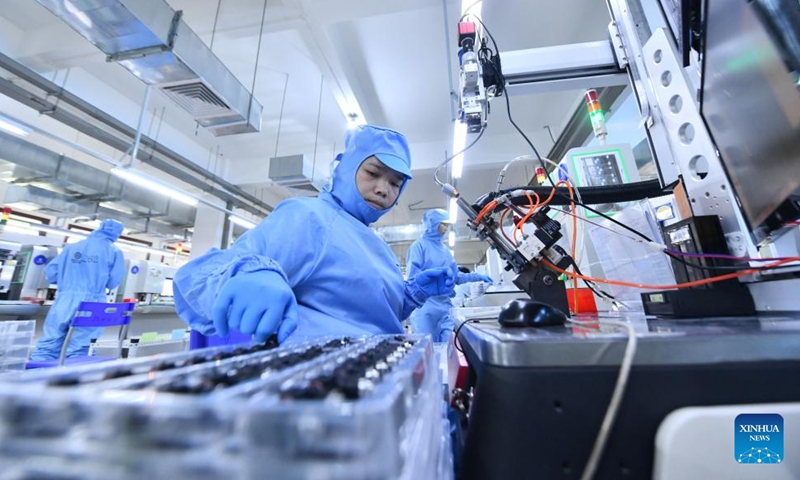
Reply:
x=378, y=184
x=443, y=228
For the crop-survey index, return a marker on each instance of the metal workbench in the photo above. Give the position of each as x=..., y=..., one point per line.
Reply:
x=540, y=394
x=146, y=318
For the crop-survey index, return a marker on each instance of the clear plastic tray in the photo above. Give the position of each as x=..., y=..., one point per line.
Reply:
x=331, y=409
x=12, y=365
x=17, y=326
x=13, y=353
x=15, y=339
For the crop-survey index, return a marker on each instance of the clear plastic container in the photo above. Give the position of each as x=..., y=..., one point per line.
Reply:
x=368, y=408
x=17, y=326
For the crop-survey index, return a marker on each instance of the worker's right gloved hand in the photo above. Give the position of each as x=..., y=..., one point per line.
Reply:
x=430, y=283
x=256, y=303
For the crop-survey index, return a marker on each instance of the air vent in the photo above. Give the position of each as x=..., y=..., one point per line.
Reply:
x=197, y=99
x=294, y=172
x=153, y=42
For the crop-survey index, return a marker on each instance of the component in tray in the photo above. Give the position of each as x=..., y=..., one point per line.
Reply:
x=351, y=378
x=209, y=380
x=200, y=358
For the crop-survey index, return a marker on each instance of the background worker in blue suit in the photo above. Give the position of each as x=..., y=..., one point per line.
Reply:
x=313, y=267
x=82, y=272
x=428, y=252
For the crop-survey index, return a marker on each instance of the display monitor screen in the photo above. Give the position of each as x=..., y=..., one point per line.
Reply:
x=600, y=170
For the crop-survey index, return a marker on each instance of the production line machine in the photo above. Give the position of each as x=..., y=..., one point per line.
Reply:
x=8, y=263
x=146, y=282
x=22, y=277
x=29, y=281
x=717, y=84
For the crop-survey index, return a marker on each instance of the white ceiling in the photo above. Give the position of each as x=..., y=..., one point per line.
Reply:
x=388, y=58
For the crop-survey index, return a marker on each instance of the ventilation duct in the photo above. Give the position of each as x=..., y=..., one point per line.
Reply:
x=151, y=40
x=294, y=172
x=66, y=187
x=49, y=203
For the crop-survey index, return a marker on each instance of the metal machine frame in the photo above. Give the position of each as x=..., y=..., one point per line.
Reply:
x=677, y=132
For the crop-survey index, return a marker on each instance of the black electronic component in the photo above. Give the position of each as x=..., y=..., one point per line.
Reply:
x=728, y=301
x=543, y=286
x=548, y=231
x=700, y=235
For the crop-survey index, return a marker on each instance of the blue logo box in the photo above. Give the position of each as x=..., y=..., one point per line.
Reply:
x=758, y=438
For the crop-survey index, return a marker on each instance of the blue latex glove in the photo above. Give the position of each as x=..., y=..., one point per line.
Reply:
x=433, y=282
x=437, y=281
x=473, y=277
x=256, y=303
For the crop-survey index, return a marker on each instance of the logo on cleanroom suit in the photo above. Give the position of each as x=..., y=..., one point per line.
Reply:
x=79, y=258
x=758, y=438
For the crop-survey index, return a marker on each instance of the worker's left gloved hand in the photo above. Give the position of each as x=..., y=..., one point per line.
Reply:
x=430, y=283
x=473, y=277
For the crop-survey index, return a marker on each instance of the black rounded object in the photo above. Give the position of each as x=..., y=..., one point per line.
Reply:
x=530, y=313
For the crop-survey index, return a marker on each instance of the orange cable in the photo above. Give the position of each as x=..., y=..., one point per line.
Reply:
x=694, y=283
x=485, y=209
x=531, y=210
x=574, y=249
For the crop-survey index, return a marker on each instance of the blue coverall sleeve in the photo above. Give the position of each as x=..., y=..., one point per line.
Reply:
x=287, y=242
x=415, y=264
x=51, y=270
x=415, y=260
x=409, y=302
x=117, y=271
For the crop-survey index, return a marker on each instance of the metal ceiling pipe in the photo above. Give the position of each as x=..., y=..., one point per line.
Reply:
x=71, y=111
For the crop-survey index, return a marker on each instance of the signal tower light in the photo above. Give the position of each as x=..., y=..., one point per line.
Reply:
x=596, y=115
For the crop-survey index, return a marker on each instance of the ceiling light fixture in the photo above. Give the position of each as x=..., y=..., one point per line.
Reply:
x=459, y=142
x=154, y=185
x=453, y=211
x=451, y=239
x=14, y=128
x=38, y=227
x=77, y=13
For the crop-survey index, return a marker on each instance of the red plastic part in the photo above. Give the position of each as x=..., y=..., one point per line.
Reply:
x=586, y=303
x=466, y=28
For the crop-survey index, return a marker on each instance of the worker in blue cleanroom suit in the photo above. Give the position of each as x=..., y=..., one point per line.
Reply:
x=430, y=252
x=313, y=267
x=82, y=272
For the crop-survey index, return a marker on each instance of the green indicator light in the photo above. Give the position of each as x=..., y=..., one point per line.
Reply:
x=598, y=115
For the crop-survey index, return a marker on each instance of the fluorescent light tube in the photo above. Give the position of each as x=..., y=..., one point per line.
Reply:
x=459, y=142
x=13, y=128
x=453, y=211
x=137, y=178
